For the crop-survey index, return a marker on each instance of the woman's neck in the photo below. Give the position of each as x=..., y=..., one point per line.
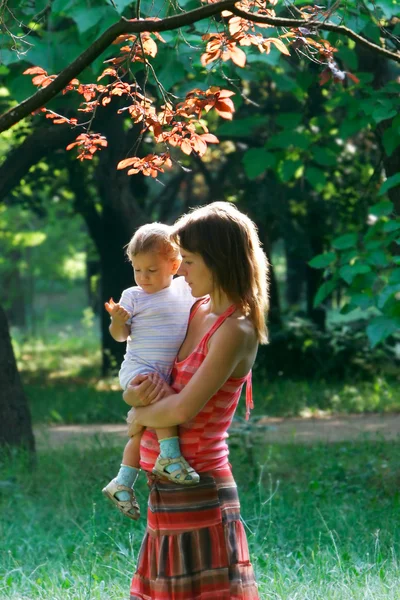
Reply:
x=219, y=302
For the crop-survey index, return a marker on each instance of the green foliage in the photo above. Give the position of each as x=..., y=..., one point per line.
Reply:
x=368, y=266
x=299, y=350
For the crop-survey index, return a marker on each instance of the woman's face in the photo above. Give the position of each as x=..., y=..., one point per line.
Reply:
x=196, y=273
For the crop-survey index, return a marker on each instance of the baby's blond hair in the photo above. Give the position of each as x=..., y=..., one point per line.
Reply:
x=153, y=237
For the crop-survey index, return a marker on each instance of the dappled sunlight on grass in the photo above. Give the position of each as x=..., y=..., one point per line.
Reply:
x=289, y=398
x=58, y=355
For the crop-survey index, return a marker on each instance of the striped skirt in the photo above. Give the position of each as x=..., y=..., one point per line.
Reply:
x=195, y=546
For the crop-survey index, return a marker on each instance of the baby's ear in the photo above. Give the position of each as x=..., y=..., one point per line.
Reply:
x=176, y=263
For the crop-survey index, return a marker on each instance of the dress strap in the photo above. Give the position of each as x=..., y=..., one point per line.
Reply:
x=249, y=395
x=196, y=306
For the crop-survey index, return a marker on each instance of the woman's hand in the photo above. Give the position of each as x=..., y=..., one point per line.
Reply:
x=146, y=389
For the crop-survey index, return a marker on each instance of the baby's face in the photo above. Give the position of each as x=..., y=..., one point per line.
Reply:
x=153, y=271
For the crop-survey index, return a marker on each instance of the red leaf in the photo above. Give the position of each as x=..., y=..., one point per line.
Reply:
x=324, y=77
x=353, y=77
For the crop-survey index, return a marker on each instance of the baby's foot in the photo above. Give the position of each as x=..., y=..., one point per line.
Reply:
x=176, y=469
x=124, y=499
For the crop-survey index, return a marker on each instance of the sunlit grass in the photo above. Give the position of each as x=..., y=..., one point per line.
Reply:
x=322, y=523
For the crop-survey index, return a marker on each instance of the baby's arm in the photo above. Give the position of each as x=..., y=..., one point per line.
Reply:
x=119, y=316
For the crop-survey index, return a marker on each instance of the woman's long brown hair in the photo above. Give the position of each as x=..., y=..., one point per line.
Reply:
x=229, y=244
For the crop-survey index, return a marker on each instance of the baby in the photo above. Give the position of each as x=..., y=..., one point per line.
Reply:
x=152, y=317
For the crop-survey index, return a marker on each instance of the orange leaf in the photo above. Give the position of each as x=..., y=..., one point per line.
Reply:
x=186, y=147
x=127, y=162
x=199, y=145
x=208, y=57
x=280, y=45
x=34, y=71
x=225, y=94
x=70, y=146
x=109, y=71
x=238, y=56
x=150, y=47
x=38, y=80
x=209, y=138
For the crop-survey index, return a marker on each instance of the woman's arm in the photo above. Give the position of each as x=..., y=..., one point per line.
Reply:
x=227, y=348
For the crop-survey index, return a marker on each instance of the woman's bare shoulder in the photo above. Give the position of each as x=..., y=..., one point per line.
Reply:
x=241, y=328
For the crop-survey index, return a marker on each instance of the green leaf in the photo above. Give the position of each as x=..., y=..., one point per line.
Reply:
x=380, y=328
x=286, y=139
x=288, y=168
x=169, y=68
x=363, y=301
x=391, y=139
x=322, y=260
x=348, y=240
x=348, y=56
x=388, y=292
x=394, y=276
x=381, y=209
x=86, y=18
x=289, y=120
x=389, y=184
x=41, y=5
x=62, y=6
x=381, y=113
x=373, y=244
x=372, y=31
x=388, y=8
x=324, y=157
x=256, y=161
x=377, y=258
x=241, y=127
x=324, y=291
x=122, y=4
x=315, y=177
x=352, y=126
x=348, y=272
x=390, y=226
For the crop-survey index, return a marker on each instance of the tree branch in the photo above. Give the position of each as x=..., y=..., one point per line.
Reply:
x=42, y=96
x=315, y=25
x=124, y=26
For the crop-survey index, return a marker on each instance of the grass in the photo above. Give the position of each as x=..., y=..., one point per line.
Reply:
x=322, y=523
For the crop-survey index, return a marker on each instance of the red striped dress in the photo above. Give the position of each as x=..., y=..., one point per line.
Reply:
x=195, y=546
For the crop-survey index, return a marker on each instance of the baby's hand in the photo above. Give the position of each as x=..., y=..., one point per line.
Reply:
x=117, y=311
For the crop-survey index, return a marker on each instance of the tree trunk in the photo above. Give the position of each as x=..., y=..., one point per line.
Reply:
x=15, y=422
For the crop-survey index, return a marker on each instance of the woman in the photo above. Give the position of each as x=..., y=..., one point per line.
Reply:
x=195, y=547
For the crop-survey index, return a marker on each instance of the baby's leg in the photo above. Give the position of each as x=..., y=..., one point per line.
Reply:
x=120, y=489
x=170, y=462
x=131, y=455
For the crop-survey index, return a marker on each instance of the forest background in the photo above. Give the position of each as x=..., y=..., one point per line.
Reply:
x=312, y=154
